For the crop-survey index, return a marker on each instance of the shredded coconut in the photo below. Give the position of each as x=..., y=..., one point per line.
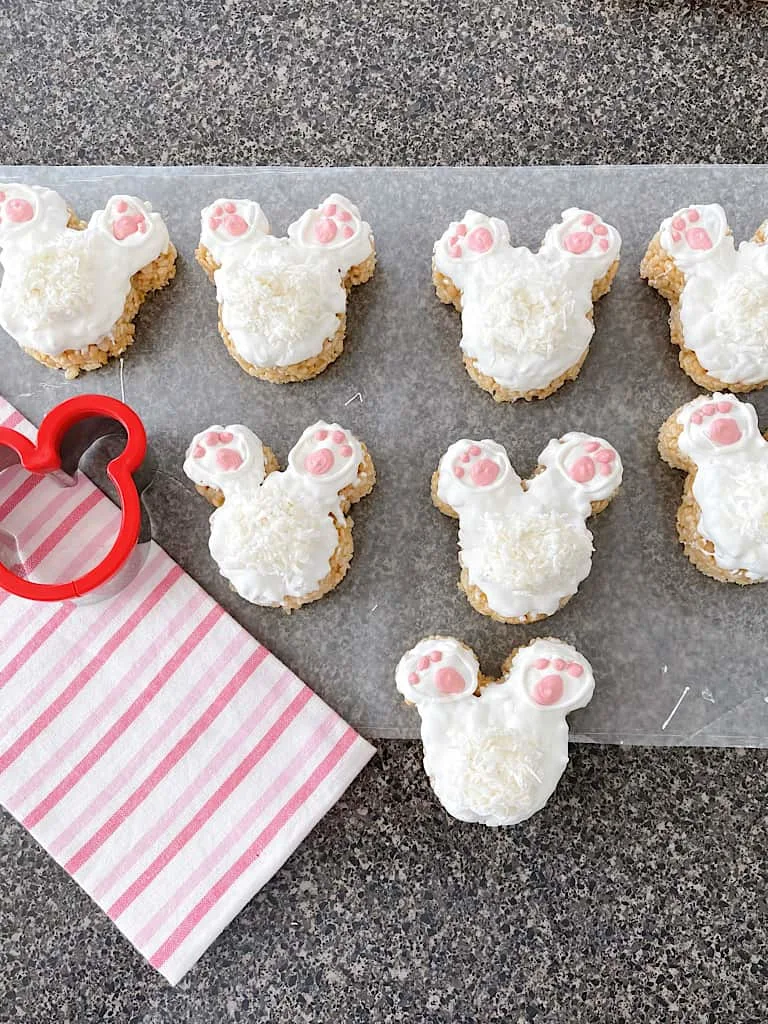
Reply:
x=525, y=309
x=277, y=300
x=740, y=313
x=274, y=532
x=745, y=501
x=535, y=549
x=55, y=282
x=498, y=773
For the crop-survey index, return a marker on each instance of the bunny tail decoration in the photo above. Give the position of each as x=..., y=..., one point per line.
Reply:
x=71, y=290
x=524, y=548
x=526, y=317
x=717, y=294
x=722, y=521
x=494, y=756
x=282, y=301
x=282, y=539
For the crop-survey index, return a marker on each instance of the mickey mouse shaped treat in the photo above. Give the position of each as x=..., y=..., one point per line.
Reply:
x=722, y=521
x=718, y=297
x=524, y=546
x=282, y=301
x=282, y=539
x=494, y=750
x=526, y=317
x=70, y=290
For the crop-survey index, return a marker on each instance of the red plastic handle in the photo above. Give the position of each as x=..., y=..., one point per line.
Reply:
x=44, y=457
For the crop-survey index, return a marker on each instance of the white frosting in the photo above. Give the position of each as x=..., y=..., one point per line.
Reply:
x=724, y=302
x=721, y=436
x=525, y=316
x=64, y=289
x=281, y=298
x=495, y=758
x=274, y=537
x=527, y=549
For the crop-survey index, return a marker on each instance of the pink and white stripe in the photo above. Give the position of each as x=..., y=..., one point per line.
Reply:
x=166, y=759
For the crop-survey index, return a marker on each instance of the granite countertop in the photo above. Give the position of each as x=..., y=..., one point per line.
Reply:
x=637, y=894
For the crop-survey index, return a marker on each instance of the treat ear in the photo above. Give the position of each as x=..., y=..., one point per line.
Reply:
x=437, y=670
x=717, y=425
x=473, y=238
x=126, y=221
x=232, y=221
x=326, y=457
x=552, y=676
x=335, y=226
x=583, y=235
x=693, y=234
x=226, y=458
x=471, y=470
x=588, y=465
x=25, y=210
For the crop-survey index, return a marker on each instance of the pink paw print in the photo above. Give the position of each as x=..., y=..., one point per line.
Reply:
x=599, y=459
x=225, y=219
x=322, y=459
x=213, y=447
x=467, y=240
x=125, y=218
x=686, y=225
x=719, y=424
x=334, y=222
x=585, y=234
x=444, y=678
x=550, y=679
x=475, y=465
x=15, y=209
x=325, y=454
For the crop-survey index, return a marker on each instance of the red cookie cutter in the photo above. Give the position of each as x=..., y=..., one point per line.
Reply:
x=65, y=433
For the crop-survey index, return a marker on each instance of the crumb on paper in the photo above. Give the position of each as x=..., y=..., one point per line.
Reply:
x=357, y=397
x=122, y=379
x=706, y=694
x=664, y=669
x=673, y=712
x=377, y=605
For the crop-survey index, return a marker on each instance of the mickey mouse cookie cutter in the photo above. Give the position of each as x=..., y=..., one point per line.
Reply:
x=65, y=435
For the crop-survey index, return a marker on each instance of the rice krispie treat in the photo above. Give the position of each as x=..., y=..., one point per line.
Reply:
x=526, y=318
x=717, y=294
x=524, y=546
x=71, y=290
x=282, y=301
x=494, y=750
x=282, y=539
x=722, y=521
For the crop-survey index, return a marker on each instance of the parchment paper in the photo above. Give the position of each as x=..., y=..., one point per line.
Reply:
x=653, y=627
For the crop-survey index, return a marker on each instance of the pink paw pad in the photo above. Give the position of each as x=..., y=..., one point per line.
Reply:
x=599, y=459
x=226, y=218
x=723, y=430
x=17, y=211
x=446, y=680
x=587, y=235
x=227, y=459
x=697, y=237
x=323, y=459
x=334, y=222
x=481, y=470
x=478, y=240
x=549, y=689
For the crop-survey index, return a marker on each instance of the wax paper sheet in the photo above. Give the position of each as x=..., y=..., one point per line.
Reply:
x=678, y=658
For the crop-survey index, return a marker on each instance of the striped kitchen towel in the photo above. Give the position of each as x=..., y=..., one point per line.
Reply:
x=161, y=755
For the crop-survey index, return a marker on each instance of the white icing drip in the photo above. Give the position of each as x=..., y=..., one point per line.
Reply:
x=64, y=289
x=525, y=316
x=526, y=550
x=495, y=758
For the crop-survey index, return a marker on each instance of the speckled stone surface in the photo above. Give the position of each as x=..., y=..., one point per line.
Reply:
x=638, y=894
